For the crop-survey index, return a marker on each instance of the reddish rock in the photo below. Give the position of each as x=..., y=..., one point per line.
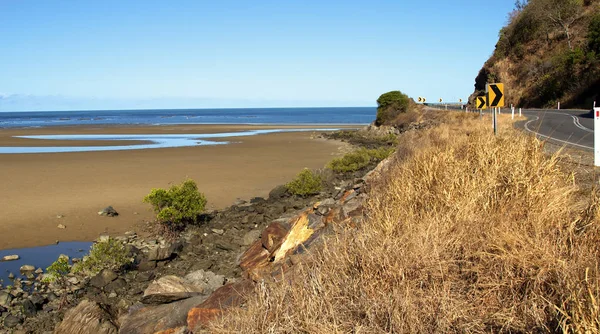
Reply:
x=230, y=295
x=273, y=236
x=178, y=330
x=348, y=195
x=256, y=256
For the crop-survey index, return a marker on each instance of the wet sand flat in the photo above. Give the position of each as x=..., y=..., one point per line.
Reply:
x=37, y=188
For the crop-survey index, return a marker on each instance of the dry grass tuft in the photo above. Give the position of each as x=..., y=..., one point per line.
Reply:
x=467, y=233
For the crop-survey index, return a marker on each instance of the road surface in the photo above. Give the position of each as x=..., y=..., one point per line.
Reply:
x=570, y=127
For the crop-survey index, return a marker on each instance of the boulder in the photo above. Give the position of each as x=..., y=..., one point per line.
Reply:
x=28, y=309
x=109, y=212
x=103, y=278
x=230, y=295
x=207, y=280
x=278, y=192
x=250, y=237
x=86, y=318
x=5, y=298
x=117, y=284
x=170, y=288
x=164, y=252
x=273, y=236
x=9, y=258
x=27, y=268
x=12, y=321
x=158, y=318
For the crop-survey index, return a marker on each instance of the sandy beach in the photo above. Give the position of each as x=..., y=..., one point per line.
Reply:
x=37, y=189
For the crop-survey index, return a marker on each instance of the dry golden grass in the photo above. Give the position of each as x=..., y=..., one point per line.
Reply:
x=467, y=233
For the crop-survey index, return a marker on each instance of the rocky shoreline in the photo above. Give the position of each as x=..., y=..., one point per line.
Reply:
x=177, y=286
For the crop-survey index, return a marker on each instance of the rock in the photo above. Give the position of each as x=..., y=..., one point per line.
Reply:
x=59, y=216
x=165, y=252
x=12, y=321
x=273, y=236
x=61, y=226
x=117, y=284
x=208, y=280
x=353, y=207
x=5, y=298
x=103, y=278
x=178, y=330
x=239, y=201
x=39, y=271
x=256, y=200
x=146, y=265
x=73, y=280
x=145, y=276
x=230, y=295
x=218, y=231
x=64, y=257
x=86, y=318
x=278, y=192
x=9, y=258
x=158, y=318
x=37, y=300
x=109, y=212
x=28, y=309
x=112, y=295
x=168, y=289
x=26, y=268
x=250, y=237
x=11, y=275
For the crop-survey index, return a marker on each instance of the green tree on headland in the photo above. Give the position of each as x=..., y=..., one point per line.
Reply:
x=390, y=105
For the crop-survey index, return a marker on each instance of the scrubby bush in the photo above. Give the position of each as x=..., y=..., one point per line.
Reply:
x=594, y=34
x=306, y=183
x=111, y=254
x=390, y=105
x=57, y=270
x=178, y=206
x=359, y=159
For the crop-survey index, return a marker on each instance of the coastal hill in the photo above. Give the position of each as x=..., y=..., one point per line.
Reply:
x=548, y=52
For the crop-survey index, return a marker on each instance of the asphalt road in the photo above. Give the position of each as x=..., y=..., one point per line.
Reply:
x=570, y=127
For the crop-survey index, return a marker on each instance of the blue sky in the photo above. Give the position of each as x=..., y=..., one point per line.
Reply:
x=202, y=54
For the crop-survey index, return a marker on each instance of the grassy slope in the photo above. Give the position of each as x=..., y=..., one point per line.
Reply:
x=466, y=233
x=533, y=59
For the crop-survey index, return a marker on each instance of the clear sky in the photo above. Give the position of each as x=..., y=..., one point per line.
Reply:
x=105, y=54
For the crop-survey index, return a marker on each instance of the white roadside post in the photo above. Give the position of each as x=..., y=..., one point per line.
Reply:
x=512, y=109
x=558, y=105
x=597, y=137
x=519, y=112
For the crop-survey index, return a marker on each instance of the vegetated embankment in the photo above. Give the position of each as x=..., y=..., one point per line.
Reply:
x=464, y=232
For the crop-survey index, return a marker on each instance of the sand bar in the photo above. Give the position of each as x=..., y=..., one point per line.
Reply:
x=38, y=188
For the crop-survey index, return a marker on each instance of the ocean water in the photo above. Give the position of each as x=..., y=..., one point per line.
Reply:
x=355, y=115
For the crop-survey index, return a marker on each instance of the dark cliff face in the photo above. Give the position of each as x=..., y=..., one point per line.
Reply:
x=543, y=60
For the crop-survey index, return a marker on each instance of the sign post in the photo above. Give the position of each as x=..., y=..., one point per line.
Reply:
x=597, y=137
x=495, y=99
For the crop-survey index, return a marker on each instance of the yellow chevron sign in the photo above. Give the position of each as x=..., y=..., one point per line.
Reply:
x=480, y=102
x=495, y=94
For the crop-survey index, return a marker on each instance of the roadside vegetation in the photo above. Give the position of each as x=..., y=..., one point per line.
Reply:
x=110, y=254
x=549, y=51
x=466, y=232
x=359, y=159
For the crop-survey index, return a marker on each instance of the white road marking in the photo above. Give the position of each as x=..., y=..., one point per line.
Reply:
x=548, y=137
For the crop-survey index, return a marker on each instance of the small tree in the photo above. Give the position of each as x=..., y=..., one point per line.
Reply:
x=390, y=105
x=594, y=34
x=178, y=206
x=305, y=184
x=562, y=13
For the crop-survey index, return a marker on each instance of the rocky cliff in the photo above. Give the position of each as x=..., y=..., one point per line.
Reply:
x=548, y=52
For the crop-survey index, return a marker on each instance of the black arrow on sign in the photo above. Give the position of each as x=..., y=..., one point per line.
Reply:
x=498, y=97
x=481, y=101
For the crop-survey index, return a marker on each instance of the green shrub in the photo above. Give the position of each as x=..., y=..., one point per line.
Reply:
x=594, y=34
x=111, y=254
x=178, y=206
x=359, y=159
x=306, y=183
x=57, y=269
x=390, y=105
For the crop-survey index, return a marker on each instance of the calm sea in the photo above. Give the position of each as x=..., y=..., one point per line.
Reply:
x=356, y=115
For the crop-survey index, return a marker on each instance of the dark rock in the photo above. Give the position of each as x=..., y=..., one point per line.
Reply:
x=37, y=300
x=12, y=321
x=2, y=309
x=250, y=237
x=256, y=200
x=51, y=296
x=164, y=253
x=154, y=319
x=146, y=265
x=145, y=276
x=29, y=310
x=224, y=246
x=117, y=284
x=87, y=318
x=109, y=211
x=278, y=192
x=103, y=278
